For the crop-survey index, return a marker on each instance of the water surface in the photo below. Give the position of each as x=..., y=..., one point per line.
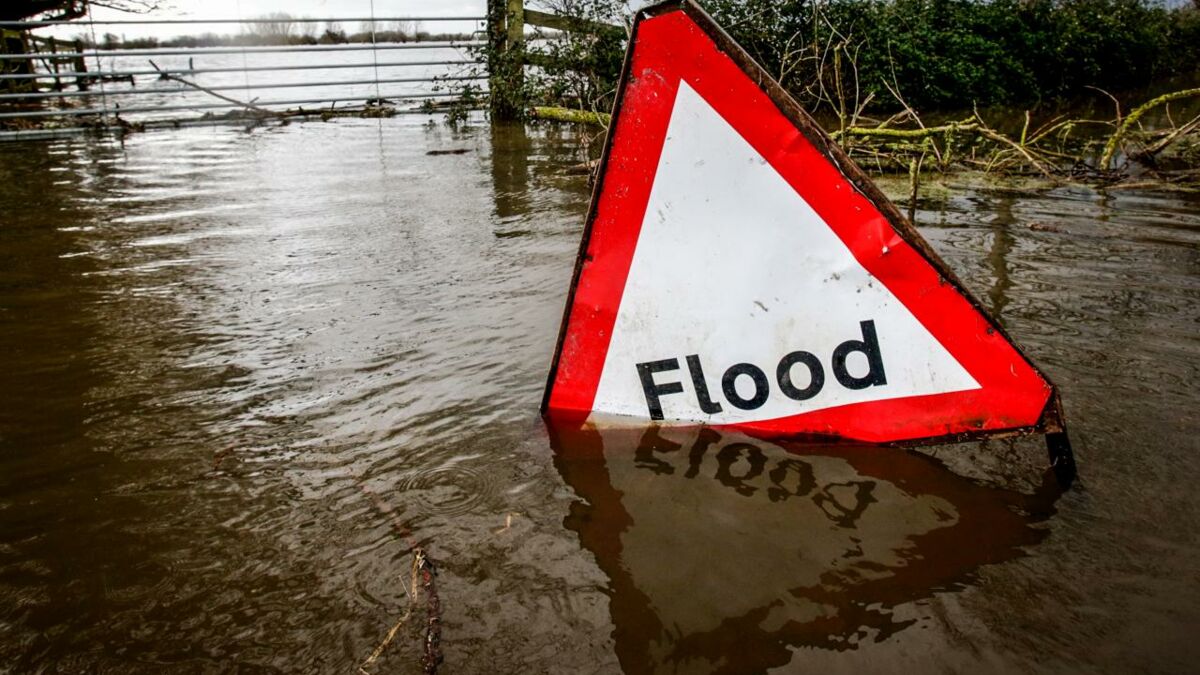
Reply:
x=245, y=374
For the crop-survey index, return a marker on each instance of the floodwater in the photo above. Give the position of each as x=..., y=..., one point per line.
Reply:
x=244, y=374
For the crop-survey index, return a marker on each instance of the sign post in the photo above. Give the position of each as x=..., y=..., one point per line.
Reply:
x=737, y=269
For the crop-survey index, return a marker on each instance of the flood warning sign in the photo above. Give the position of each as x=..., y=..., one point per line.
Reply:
x=737, y=269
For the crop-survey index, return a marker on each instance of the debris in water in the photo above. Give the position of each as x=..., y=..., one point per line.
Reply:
x=433, y=614
x=507, y=523
x=423, y=571
x=1043, y=227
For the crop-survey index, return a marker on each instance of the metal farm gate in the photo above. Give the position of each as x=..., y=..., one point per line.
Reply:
x=52, y=86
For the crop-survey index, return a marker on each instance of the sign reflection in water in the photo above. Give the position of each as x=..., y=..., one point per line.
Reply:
x=723, y=552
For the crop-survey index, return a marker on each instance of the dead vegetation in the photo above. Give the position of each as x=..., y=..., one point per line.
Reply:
x=1119, y=151
x=821, y=63
x=1060, y=148
x=1125, y=150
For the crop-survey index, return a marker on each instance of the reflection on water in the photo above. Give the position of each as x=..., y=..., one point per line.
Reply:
x=243, y=374
x=998, y=253
x=727, y=552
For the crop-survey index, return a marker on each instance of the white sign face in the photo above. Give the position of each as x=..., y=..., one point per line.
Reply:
x=741, y=304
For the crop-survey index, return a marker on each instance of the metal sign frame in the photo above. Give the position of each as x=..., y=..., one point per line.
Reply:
x=1052, y=420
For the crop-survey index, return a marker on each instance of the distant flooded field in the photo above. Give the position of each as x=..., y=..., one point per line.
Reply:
x=244, y=375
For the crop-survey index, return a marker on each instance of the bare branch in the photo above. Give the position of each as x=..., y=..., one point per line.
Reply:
x=249, y=106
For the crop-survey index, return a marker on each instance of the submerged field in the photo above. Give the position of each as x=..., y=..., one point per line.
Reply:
x=244, y=375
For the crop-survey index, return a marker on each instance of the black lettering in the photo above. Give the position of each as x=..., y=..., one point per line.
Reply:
x=869, y=346
x=805, y=481
x=706, y=403
x=815, y=371
x=730, y=454
x=761, y=387
x=652, y=390
x=651, y=443
x=862, y=491
x=696, y=455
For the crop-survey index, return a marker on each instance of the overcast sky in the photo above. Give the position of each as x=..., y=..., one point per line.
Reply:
x=236, y=9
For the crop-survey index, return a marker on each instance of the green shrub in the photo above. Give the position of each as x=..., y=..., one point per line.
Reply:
x=956, y=53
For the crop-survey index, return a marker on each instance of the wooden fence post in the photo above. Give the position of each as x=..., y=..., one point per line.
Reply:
x=54, y=63
x=516, y=56
x=80, y=67
x=4, y=63
x=15, y=43
x=506, y=37
x=516, y=24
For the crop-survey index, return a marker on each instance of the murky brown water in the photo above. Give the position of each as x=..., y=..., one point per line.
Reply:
x=244, y=373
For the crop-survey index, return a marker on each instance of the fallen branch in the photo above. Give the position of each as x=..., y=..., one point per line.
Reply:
x=1056, y=149
x=1147, y=155
x=1000, y=138
x=883, y=132
x=162, y=74
x=1110, y=148
x=556, y=114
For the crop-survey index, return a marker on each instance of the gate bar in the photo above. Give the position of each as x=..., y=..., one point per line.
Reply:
x=75, y=112
x=233, y=87
x=148, y=22
x=92, y=74
x=200, y=51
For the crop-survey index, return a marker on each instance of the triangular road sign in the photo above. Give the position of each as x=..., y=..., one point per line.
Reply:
x=738, y=269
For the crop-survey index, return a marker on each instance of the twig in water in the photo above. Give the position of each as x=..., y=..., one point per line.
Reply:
x=423, y=571
x=418, y=563
x=999, y=138
x=433, y=616
x=386, y=640
x=508, y=519
x=248, y=106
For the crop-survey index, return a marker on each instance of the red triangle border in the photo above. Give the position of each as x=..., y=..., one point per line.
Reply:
x=677, y=41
